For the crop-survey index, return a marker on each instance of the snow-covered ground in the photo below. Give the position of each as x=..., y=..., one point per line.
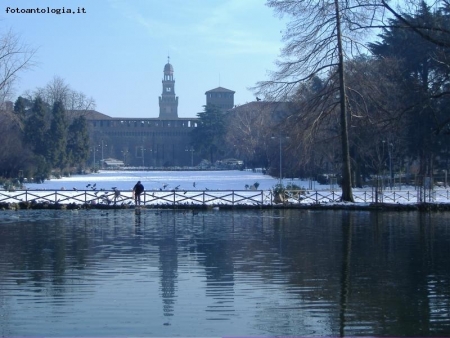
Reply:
x=154, y=180
x=203, y=187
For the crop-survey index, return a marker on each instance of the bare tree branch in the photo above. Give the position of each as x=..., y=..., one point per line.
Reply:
x=15, y=57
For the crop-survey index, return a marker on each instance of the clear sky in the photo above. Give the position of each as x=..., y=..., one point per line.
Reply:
x=116, y=51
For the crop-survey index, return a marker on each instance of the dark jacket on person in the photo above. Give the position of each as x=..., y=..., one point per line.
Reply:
x=138, y=188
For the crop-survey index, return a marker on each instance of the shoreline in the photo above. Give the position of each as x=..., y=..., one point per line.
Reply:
x=423, y=207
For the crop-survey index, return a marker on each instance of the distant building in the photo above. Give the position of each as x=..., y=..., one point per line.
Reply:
x=113, y=163
x=277, y=111
x=151, y=142
x=168, y=102
x=145, y=142
x=220, y=97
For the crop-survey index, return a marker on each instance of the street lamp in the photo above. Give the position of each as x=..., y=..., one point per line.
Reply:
x=94, y=150
x=390, y=145
x=125, y=154
x=191, y=149
x=389, y=149
x=281, y=158
x=143, y=161
x=103, y=145
x=153, y=153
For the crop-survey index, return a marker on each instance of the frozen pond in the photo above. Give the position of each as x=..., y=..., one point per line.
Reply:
x=224, y=273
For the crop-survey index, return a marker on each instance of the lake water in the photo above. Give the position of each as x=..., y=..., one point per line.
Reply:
x=224, y=273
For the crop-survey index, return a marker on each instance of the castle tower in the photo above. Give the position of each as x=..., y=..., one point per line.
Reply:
x=220, y=97
x=168, y=102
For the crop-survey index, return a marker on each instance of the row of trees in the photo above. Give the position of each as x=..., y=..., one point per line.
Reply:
x=40, y=135
x=352, y=105
x=45, y=129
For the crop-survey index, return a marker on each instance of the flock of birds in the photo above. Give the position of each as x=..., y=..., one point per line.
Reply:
x=164, y=187
x=105, y=197
x=113, y=196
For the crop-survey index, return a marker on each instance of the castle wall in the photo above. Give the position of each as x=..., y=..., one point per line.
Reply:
x=144, y=142
x=152, y=142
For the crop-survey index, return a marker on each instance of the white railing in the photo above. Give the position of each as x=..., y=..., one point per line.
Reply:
x=219, y=197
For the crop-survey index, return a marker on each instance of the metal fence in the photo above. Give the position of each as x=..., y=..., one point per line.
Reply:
x=222, y=197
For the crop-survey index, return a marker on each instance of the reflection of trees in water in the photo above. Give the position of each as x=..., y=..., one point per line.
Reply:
x=5, y=307
x=347, y=228
x=219, y=273
x=387, y=259
x=213, y=246
x=44, y=254
x=305, y=260
x=374, y=276
x=321, y=272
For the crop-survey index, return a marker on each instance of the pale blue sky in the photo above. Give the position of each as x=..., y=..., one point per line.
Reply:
x=116, y=52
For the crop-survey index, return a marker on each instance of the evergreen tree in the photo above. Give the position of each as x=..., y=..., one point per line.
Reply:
x=20, y=108
x=78, y=141
x=208, y=137
x=57, y=140
x=36, y=127
x=425, y=79
x=417, y=56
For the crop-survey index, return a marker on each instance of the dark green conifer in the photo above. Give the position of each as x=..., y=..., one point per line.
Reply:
x=57, y=140
x=78, y=141
x=36, y=128
x=208, y=137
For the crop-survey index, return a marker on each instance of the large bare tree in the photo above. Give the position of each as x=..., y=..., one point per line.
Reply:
x=319, y=38
x=15, y=56
x=249, y=130
x=59, y=90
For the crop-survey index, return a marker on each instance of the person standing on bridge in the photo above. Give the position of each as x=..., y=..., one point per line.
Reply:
x=138, y=189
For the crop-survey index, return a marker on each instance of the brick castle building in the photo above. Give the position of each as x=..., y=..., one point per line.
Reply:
x=152, y=142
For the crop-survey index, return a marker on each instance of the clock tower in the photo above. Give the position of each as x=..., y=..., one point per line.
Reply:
x=168, y=102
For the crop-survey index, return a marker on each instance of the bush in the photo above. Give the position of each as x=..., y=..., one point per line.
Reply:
x=278, y=189
x=292, y=186
x=323, y=179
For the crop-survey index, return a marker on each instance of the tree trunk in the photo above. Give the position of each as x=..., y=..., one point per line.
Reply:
x=347, y=194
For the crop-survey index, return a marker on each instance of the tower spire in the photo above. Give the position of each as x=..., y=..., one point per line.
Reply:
x=168, y=101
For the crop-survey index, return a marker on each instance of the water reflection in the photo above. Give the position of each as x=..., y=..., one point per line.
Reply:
x=259, y=272
x=168, y=265
x=347, y=227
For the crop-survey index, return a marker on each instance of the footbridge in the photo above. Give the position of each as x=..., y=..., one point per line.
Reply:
x=179, y=198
